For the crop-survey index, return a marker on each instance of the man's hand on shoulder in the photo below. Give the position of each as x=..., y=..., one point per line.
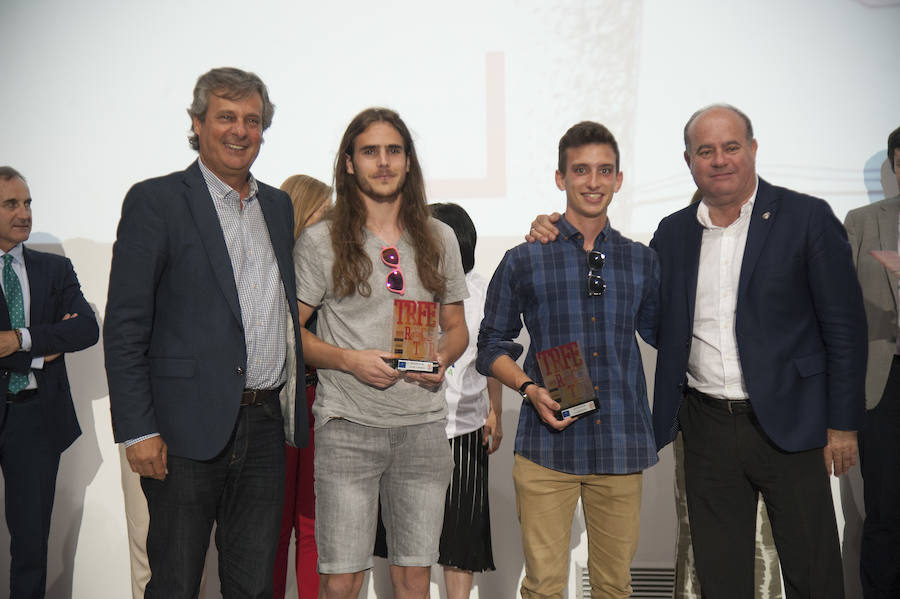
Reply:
x=841, y=451
x=149, y=457
x=546, y=407
x=9, y=343
x=368, y=366
x=543, y=229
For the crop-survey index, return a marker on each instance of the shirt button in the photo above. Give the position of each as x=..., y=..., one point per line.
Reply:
x=596, y=354
x=598, y=421
x=596, y=388
x=593, y=319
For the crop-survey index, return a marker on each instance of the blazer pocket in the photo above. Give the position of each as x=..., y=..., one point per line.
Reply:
x=173, y=367
x=811, y=365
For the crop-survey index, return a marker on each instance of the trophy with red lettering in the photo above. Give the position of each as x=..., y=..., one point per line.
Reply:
x=415, y=336
x=567, y=380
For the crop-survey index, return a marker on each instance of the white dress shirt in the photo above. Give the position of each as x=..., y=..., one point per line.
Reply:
x=714, y=367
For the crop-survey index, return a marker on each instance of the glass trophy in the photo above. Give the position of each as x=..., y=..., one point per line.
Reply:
x=567, y=380
x=414, y=340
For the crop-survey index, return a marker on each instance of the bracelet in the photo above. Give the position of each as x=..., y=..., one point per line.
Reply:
x=18, y=337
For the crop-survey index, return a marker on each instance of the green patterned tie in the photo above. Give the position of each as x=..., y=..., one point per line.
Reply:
x=16, y=307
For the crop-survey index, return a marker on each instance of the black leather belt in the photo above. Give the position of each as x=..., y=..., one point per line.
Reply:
x=733, y=406
x=254, y=396
x=311, y=378
x=21, y=396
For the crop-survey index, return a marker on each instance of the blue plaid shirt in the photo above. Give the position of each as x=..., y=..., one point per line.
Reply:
x=546, y=286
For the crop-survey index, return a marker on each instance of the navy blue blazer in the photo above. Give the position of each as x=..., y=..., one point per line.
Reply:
x=800, y=323
x=173, y=337
x=55, y=292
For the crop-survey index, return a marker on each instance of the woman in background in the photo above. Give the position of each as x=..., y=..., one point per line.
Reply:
x=311, y=198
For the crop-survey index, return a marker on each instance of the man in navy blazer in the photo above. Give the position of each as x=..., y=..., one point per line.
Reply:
x=42, y=315
x=761, y=363
x=201, y=302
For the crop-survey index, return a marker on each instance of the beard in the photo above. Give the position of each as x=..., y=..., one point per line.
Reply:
x=383, y=194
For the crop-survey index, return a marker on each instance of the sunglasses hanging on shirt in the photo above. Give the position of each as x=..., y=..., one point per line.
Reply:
x=595, y=283
x=394, y=281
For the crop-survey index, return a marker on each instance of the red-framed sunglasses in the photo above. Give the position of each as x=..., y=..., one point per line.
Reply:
x=394, y=281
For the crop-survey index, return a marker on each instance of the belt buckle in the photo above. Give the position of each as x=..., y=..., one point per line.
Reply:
x=249, y=397
x=732, y=403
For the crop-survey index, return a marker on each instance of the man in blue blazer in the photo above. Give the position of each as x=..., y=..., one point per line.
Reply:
x=42, y=315
x=201, y=302
x=761, y=363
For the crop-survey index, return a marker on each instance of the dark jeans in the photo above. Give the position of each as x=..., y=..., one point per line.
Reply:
x=879, y=446
x=728, y=461
x=242, y=491
x=30, y=461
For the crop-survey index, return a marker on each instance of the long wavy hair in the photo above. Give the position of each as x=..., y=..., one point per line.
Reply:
x=352, y=266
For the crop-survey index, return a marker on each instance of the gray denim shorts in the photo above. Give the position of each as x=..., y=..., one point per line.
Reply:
x=408, y=466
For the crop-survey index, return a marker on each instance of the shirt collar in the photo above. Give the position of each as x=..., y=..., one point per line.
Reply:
x=16, y=252
x=568, y=231
x=222, y=189
x=746, y=209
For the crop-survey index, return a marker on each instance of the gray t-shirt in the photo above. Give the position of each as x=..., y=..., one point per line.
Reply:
x=358, y=322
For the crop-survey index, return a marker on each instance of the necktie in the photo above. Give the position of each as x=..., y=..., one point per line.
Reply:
x=16, y=307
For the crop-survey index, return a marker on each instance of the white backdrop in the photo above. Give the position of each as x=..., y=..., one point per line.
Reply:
x=94, y=98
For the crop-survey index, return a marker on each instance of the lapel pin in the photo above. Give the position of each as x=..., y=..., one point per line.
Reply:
x=766, y=215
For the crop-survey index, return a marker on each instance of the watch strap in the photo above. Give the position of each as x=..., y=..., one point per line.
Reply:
x=524, y=386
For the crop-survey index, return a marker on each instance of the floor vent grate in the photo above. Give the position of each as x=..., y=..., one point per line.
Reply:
x=646, y=583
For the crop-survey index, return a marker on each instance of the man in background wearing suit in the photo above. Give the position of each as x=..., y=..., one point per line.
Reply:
x=874, y=227
x=43, y=316
x=201, y=300
x=761, y=355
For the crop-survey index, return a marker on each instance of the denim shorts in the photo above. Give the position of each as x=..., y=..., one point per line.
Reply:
x=408, y=466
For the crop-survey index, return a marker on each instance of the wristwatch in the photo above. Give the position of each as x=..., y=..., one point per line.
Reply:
x=524, y=387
